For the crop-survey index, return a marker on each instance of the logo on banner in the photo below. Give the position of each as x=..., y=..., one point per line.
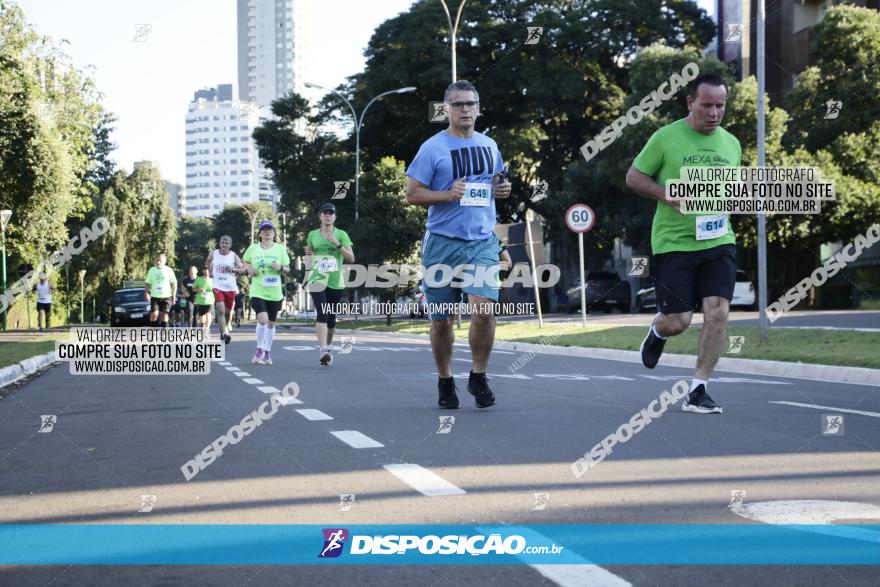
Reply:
x=334, y=540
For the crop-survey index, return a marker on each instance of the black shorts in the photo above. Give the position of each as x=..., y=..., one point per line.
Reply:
x=160, y=304
x=201, y=310
x=323, y=300
x=683, y=278
x=45, y=306
x=271, y=308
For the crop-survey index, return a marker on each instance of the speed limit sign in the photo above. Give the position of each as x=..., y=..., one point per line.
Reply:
x=580, y=218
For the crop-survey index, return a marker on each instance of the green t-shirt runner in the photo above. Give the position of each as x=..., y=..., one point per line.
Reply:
x=327, y=263
x=267, y=283
x=159, y=279
x=669, y=149
x=206, y=297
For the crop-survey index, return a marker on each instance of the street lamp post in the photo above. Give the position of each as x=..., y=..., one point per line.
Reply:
x=67, y=289
x=5, y=215
x=251, y=217
x=453, y=29
x=82, y=289
x=358, y=123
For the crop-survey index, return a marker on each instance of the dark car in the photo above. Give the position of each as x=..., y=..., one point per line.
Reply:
x=604, y=289
x=646, y=299
x=129, y=307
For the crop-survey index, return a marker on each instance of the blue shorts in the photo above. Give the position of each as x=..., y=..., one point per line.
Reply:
x=477, y=262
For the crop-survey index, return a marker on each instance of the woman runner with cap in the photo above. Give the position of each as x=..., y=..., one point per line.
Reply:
x=329, y=246
x=266, y=262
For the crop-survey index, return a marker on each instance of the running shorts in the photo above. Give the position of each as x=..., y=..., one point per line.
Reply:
x=478, y=259
x=683, y=278
x=269, y=307
x=324, y=301
x=159, y=304
x=227, y=297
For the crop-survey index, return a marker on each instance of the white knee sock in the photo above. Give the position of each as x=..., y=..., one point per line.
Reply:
x=269, y=337
x=261, y=334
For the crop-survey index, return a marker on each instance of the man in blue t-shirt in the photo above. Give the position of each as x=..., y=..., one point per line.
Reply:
x=458, y=173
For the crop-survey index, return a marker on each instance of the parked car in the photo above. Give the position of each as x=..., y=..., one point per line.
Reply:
x=646, y=300
x=743, y=291
x=604, y=289
x=743, y=294
x=129, y=307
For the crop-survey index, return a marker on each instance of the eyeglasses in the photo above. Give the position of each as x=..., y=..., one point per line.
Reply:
x=329, y=212
x=459, y=106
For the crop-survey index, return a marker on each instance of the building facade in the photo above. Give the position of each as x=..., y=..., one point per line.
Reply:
x=788, y=34
x=273, y=40
x=222, y=163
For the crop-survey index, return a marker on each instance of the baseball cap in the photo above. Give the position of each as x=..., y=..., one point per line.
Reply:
x=266, y=224
x=327, y=206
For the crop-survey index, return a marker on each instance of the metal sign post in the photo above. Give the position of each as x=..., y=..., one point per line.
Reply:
x=580, y=218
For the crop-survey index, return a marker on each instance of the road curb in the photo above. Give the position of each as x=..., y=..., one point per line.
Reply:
x=13, y=373
x=813, y=372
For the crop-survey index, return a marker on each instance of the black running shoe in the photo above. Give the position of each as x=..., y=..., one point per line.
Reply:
x=478, y=386
x=226, y=338
x=448, y=398
x=699, y=402
x=652, y=348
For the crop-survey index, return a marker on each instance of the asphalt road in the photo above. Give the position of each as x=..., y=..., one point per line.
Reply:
x=117, y=438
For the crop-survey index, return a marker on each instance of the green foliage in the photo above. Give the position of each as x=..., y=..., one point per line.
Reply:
x=236, y=221
x=195, y=239
x=141, y=227
x=846, y=51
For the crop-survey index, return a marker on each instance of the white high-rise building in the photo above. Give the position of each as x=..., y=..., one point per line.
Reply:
x=273, y=40
x=222, y=163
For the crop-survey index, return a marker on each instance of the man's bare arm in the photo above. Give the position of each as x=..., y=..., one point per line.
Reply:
x=645, y=186
x=418, y=193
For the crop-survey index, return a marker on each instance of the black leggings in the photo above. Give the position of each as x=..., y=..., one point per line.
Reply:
x=322, y=301
x=269, y=307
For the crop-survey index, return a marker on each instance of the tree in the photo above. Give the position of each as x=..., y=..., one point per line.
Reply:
x=195, y=239
x=49, y=116
x=304, y=166
x=846, y=51
x=390, y=229
x=141, y=227
x=236, y=220
x=540, y=102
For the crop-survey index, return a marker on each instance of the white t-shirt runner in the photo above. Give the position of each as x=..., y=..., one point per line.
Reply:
x=223, y=271
x=44, y=293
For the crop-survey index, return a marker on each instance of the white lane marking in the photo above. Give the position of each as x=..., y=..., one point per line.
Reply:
x=253, y=381
x=815, y=515
x=224, y=363
x=269, y=389
x=423, y=480
x=581, y=574
x=356, y=439
x=233, y=369
x=579, y=571
x=283, y=400
x=818, y=407
x=242, y=374
x=288, y=401
x=313, y=414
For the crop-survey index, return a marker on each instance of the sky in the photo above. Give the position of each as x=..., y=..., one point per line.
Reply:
x=148, y=81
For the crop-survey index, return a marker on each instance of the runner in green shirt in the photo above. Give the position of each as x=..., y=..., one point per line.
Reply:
x=204, y=298
x=159, y=287
x=328, y=247
x=267, y=263
x=694, y=256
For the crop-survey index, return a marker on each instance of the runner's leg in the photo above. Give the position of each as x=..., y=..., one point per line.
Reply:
x=715, y=312
x=442, y=339
x=481, y=334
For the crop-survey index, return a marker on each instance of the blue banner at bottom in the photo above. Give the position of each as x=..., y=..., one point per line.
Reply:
x=380, y=544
